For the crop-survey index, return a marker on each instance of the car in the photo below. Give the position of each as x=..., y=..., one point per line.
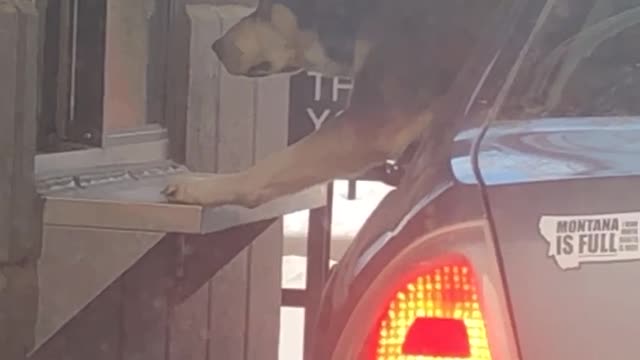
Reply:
x=522, y=241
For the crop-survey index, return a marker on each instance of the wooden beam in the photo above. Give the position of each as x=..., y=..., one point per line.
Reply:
x=19, y=206
x=265, y=258
x=18, y=106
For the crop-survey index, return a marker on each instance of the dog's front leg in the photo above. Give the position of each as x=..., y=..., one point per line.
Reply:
x=386, y=112
x=342, y=147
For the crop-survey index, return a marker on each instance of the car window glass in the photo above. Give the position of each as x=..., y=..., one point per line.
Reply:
x=584, y=61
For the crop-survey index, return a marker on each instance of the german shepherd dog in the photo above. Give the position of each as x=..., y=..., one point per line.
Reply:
x=402, y=55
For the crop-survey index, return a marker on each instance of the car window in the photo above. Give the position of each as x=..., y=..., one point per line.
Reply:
x=584, y=60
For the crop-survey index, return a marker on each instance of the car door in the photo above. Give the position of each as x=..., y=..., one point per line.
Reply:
x=566, y=131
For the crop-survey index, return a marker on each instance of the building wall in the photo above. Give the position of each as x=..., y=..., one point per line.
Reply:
x=207, y=297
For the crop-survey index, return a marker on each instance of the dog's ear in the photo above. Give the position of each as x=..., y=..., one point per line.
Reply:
x=337, y=24
x=264, y=9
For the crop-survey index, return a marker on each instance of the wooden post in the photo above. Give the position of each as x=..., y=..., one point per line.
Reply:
x=351, y=192
x=19, y=207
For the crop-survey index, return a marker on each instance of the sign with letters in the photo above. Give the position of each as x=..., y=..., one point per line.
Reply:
x=574, y=240
x=313, y=99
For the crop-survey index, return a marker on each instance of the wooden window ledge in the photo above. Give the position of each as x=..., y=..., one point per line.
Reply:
x=130, y=199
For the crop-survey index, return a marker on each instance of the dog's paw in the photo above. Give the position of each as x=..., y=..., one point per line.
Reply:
x=208, y=190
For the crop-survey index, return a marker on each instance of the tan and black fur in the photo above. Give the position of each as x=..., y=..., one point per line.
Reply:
x=402, y=54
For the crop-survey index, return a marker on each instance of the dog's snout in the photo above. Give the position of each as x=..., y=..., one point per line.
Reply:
x=261, y=69
x=216, y=47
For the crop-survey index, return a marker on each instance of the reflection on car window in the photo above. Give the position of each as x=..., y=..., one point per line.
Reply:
x=584, y=61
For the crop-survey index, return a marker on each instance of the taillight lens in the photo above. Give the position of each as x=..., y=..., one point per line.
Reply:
x=434, y=313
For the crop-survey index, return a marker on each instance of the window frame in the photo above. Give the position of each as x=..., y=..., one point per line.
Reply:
x=98, y=146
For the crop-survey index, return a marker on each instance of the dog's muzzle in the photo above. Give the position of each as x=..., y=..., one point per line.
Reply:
x=261, y=69
x=265, y=68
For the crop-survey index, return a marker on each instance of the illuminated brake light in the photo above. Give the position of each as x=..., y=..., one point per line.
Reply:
x=434, y=314
x=437, y=337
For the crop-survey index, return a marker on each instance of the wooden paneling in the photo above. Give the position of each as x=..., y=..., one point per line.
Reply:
x=126, y=321
x=190, y=323
x=264, y=295
x=18, y=104
x=234, y=152
x=207, y=297
x=95, y=333
x=176, y=96
x=232, y=122
x=78, y=264
x=200, y=324
x=18, y=309
x=19, y=235
x=205, y=255
x=189, y=326
x=145, y=306
x=265, y=263
x=204, y=91
x=219, y=139
x=8, y=102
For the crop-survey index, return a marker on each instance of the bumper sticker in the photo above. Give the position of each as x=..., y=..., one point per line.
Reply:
x=574, y=240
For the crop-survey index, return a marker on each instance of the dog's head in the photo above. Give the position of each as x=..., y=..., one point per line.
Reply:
x=276, y=38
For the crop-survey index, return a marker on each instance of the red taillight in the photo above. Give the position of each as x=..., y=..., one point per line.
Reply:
x=437, y=337
x=434, y=314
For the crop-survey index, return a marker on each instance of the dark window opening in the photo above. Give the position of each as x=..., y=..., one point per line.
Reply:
x=104, y=71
